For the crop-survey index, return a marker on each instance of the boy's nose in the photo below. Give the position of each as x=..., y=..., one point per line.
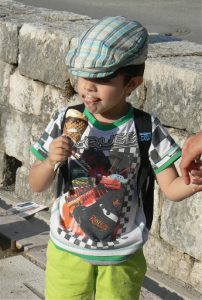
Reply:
x=89, y=85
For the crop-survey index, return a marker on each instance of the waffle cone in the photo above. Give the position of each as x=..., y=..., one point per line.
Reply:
x=75, y=124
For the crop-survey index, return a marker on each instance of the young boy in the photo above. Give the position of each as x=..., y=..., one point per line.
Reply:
x=98, y=226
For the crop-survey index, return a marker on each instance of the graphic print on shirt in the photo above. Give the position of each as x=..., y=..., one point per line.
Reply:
x=98, y=198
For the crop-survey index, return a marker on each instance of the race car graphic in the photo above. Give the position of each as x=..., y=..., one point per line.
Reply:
x=93, y=206
x=93, y=212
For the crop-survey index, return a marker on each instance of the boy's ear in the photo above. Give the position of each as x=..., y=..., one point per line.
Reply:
x=134, y=83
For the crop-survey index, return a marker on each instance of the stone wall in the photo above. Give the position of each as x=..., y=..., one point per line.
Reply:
x=33, y=45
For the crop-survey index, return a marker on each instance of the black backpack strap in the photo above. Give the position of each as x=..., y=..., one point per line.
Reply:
x=63, y=176
x=144, y=131
x=145, y=183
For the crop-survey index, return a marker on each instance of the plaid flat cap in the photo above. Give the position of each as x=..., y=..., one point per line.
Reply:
x=112, y=43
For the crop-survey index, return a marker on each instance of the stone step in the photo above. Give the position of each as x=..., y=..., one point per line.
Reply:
x=22, y=234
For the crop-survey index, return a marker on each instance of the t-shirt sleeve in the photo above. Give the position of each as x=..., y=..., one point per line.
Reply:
x=53, y=130
x=163, y=150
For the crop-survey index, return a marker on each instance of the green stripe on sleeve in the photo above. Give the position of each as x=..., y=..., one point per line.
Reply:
x=37, y=154
x=169, y=162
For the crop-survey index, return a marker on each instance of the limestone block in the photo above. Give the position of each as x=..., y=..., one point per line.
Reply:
x=9, y=42
x=164, y=46
x=42, y=55
x=53, y=99
x=3, y=115
x=162, y=257
x=157, y=212
x=181, y=225
x=195, y=278
x=23, y=190
x=181, y=222
x=15, y=14
x=5, y=72
x=16, y=134
x=43, y=50
x=26, y=95
x=2, y=165
x=37, y=128
x=138, y=97
x=174, y=91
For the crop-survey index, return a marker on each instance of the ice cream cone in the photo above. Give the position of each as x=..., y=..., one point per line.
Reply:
x=74, y=127
x=75, y=124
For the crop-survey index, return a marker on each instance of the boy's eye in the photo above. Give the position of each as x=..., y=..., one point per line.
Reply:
x=104, y=80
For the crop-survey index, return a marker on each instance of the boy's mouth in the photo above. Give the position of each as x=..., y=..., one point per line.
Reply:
x=88, y=99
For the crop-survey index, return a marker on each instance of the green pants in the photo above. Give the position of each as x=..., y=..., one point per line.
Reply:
x=68, y=277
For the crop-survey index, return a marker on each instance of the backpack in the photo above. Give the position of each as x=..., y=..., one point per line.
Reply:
x=145, y=183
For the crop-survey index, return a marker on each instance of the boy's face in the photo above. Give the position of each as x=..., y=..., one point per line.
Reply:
x=105, y=97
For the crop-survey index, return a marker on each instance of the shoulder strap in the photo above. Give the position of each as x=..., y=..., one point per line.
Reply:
x=144, y=131
x=145, y=184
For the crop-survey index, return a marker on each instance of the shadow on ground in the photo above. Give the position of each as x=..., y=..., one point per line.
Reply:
x=162, y=292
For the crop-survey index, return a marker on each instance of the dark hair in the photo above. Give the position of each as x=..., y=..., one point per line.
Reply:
x=132, y=71
x=128, y=72
x=69, y=90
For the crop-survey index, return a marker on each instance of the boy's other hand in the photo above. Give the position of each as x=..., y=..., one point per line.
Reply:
x=196, y=177
x=191, y=151
x=60, y=149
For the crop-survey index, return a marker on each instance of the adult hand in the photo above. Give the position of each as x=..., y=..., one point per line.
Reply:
x=191, y=152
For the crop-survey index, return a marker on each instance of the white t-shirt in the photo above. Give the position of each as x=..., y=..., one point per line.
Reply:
x=100, y=218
